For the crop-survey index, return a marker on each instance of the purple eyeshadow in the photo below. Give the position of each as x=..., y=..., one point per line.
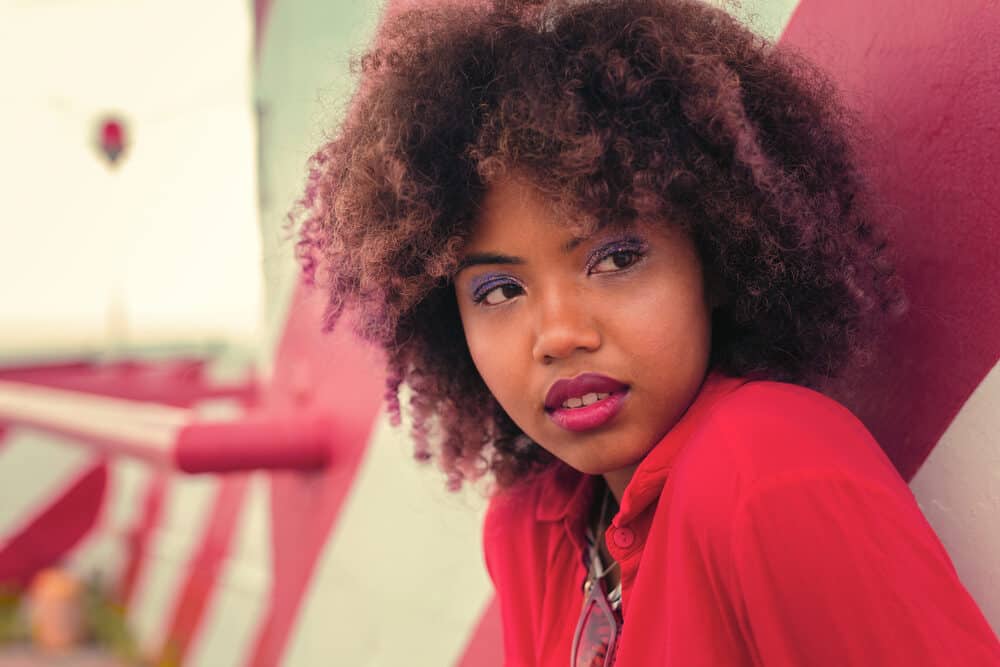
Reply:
x=629, y=243
x=482, y=285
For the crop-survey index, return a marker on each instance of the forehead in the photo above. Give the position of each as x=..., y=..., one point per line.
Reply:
x=512, y=207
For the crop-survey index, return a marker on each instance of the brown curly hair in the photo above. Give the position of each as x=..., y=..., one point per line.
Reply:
x=618, y=110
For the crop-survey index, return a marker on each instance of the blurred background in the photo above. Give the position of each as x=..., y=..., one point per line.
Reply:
x=191, y=474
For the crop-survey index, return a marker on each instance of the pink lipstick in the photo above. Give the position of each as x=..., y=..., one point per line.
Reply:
x=585, y=402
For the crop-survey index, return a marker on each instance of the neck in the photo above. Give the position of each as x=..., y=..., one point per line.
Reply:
x=617, y=480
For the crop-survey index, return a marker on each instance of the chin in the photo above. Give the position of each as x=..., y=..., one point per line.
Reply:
x=589, y=469
x=592, y=467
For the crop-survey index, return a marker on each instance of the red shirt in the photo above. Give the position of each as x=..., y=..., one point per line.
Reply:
x=766, y=528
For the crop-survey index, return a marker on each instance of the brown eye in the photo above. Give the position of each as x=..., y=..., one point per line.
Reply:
x=616, y=261
x=501, y=293
x=623, y=258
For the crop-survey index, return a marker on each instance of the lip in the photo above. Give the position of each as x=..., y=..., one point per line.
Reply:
x=584, y=383
x=591, y=416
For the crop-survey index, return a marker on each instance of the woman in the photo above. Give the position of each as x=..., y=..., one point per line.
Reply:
x=612, y=248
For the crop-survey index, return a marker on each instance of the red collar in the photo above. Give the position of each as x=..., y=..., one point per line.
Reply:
x=566, y=492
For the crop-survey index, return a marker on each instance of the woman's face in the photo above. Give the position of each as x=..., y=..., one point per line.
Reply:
x=594, y=346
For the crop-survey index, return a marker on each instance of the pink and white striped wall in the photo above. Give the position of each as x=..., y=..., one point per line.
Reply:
x=367, y=560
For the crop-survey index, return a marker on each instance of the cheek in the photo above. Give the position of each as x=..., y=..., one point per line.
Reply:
x=656, y=322
x=490, y=352
x=480, y=348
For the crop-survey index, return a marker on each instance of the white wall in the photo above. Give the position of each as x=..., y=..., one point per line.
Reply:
x=165, y=248
x=958, y=489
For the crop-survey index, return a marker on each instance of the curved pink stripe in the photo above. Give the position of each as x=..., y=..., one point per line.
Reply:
x=485, y=647
x=927, y=84
x=55, y=530
x=313, y=370
x=204, y=569
x=141, y=534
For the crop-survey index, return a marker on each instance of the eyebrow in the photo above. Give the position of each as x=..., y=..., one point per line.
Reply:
x=477, y=258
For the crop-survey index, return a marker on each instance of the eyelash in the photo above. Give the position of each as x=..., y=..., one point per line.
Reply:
x=480, y=293
x=634, y=247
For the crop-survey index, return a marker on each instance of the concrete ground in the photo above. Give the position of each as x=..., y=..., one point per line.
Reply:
x=26, y=657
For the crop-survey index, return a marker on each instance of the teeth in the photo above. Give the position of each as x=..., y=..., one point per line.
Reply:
x=586, y=399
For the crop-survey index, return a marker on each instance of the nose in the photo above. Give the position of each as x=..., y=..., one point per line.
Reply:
x=564, y=325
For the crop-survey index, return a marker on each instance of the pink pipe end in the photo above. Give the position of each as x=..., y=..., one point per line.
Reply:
x=255, y=443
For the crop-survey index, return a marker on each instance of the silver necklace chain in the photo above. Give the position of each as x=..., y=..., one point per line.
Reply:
x=597, y=569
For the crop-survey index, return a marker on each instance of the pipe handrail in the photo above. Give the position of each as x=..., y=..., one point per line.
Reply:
x=168, y=436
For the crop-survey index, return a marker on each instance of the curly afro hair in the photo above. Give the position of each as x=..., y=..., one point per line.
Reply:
x=618, y=110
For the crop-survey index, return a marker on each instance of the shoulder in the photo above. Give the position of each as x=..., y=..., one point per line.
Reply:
x=765, y=434
x=526, y=508
x=511, y=510
x=763, y=406
x=765, y=430
x=772, y=442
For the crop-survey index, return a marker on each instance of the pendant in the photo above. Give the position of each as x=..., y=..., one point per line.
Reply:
x=596, y=634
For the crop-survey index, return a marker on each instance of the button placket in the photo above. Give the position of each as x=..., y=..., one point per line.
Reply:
x=623, y=537
x=622, y=541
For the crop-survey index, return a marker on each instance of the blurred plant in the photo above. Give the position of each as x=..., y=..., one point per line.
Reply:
x=106, y=621
x=104, y=617
x=13, y=624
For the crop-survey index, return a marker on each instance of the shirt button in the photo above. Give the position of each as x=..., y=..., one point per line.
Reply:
x=623, y=537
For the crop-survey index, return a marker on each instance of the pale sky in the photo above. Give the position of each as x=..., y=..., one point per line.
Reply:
x=163, y=249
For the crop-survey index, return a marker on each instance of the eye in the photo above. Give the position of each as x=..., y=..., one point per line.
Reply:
x=616, y=260
x=495, y=293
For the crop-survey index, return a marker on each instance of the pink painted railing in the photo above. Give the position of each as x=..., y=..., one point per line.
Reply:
x=169, y=436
